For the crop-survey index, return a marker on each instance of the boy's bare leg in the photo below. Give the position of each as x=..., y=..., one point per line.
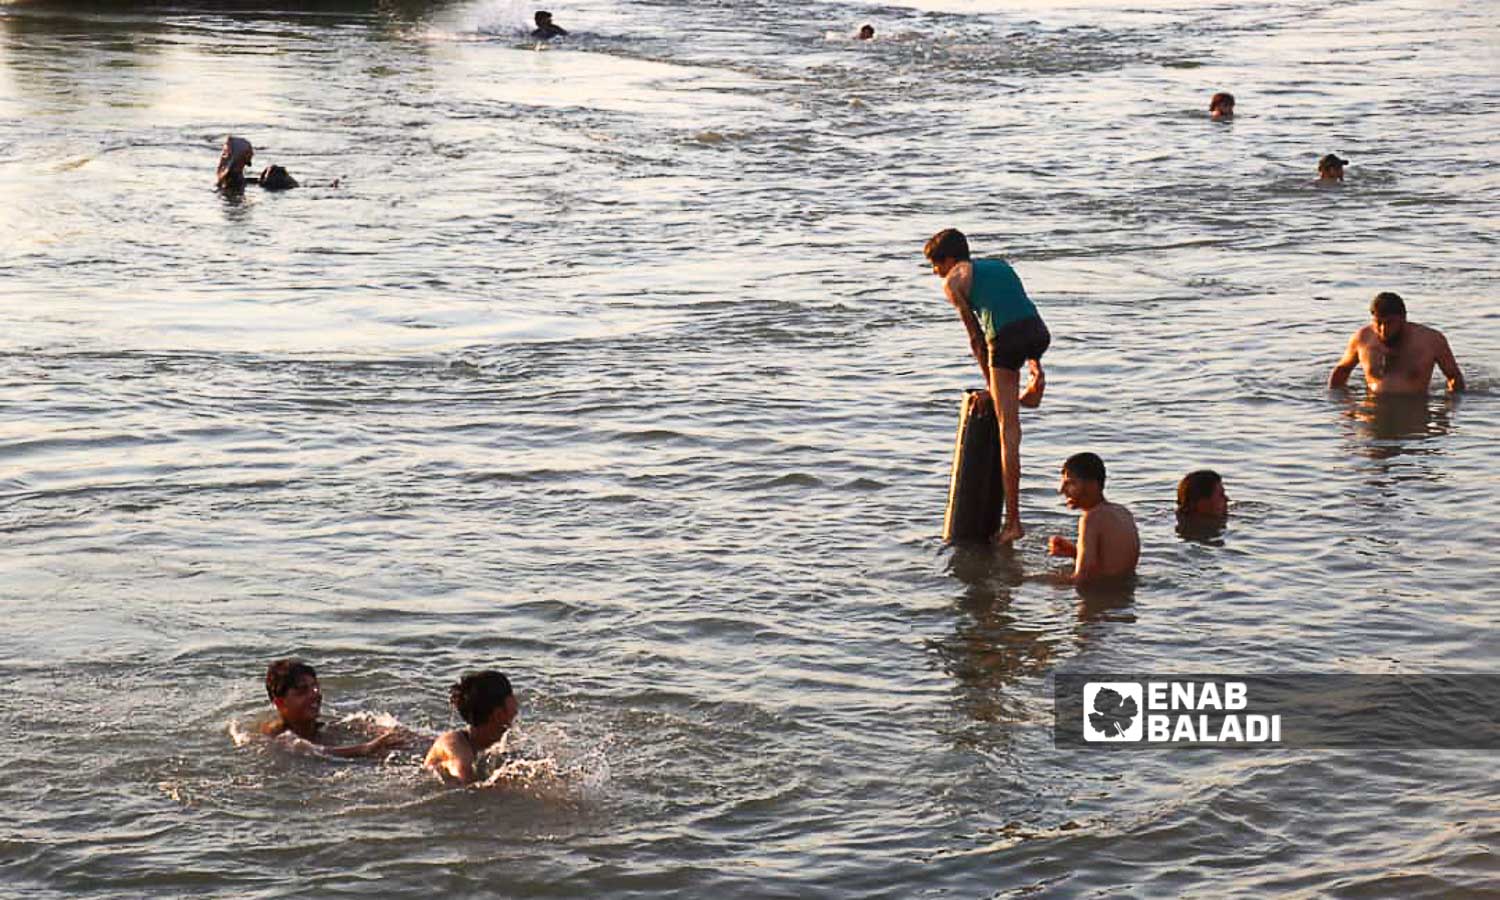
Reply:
x=1003, y=383
x=1031, y=398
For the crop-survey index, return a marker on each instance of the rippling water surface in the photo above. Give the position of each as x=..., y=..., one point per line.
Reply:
x=613, y=364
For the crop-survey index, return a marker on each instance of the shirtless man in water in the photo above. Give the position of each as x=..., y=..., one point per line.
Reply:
x=1108, y=545
x=484, y=700
x=293, y=688
x=1397, y=356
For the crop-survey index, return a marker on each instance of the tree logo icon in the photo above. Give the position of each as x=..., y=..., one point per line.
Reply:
x=1112, y=711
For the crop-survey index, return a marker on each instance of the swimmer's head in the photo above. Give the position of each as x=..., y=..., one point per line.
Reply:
x=866, y=32
x=1082, y=482
x=1388, y=315
x=293, y=688
x=236, y=154
x=277, y=178
x=484, y=698
x=1331, y=168
x=946, y=249
x=1201, y=494
x=1221, y=105
x=542, y=18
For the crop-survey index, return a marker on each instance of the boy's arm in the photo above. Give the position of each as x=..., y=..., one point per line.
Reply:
x=1339, y=377
x=373, y=747
x=958, y=295
x=1449, y=365
x=1057, y=545
x=1086, y=564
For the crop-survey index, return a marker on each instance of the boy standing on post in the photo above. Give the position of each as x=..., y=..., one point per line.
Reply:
x=1005, y=331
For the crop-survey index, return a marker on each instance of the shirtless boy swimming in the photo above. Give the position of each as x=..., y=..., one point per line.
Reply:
x=1397, y=356
x=293, y=688
x=485, y=701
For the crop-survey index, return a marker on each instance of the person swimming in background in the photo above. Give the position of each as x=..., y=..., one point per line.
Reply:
x=233, y=159
x=867, y=32
x=293, y=687
x=1005, y=332
x=1221, y=106
x=1397, y=356
x=1107, y=545
x=236, y=155
x=1331, y=170
x=1200, y=496
x=545, y=29
x=486, y=702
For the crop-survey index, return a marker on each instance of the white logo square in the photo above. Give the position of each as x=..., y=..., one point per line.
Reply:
x=1113, y=711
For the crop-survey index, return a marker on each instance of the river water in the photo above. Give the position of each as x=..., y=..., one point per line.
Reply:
x=615, y=365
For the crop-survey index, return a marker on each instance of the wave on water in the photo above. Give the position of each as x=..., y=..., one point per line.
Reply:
x=545, y=759
x=498, y=18
x=542, y=759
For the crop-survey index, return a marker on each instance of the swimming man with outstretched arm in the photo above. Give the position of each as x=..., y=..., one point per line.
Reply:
x=294, y=690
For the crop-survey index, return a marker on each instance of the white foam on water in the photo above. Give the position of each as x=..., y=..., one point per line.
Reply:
x=545, y=759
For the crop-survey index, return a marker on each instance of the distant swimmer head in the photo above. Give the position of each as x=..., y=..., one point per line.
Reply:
x=236, y=154
x=1388, y=316
x=945, y=250
x=1201, y=495
x=546, y=29
x=867, y=32
x=1331, y=168
x=277, y=178
x=1221, y=105
x=485, y=699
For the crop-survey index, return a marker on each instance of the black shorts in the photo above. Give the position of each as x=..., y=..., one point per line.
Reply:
x=1019, y=341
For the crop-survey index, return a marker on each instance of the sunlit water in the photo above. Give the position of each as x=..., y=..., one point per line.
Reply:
x=613, y=364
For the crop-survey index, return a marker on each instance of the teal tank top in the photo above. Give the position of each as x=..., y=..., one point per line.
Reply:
x=997, y=297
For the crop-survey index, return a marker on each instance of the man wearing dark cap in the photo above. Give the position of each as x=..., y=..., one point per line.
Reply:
x=1397, y=356
x=1331, y=169
x=545, y=30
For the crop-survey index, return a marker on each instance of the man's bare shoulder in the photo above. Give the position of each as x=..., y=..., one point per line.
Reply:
x=1110, y=515
x=1427, y=333
x=449, y=745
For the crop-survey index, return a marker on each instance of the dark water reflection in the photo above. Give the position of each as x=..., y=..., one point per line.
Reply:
x=1390, y=426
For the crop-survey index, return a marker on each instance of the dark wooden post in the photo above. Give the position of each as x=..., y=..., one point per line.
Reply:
x=976, y=490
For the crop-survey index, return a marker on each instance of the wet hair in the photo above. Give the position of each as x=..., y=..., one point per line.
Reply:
x=1196, y=486
x=1387, y=303
x=949, y=243
x=1085, y=465
x=277, y=178
x=478, y=694
x=866, y=32
x=283, y=675
x=1220, y=97
x=542, y=17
